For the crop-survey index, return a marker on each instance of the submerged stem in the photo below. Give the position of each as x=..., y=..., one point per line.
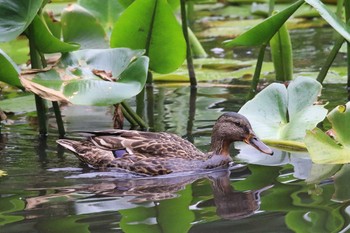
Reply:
x=133, y=115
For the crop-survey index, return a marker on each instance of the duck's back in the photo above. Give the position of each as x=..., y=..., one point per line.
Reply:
x=141, y=152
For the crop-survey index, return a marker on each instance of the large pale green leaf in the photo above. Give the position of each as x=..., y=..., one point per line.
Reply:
x=91, y=77
x=322, y=148
x=44, y=40
x=106, y=12
x=8, y=70
x=338, y=25
x=280, y=113
x=264, y=31
x=151, y=25
x=81, y=27
x=15, y=16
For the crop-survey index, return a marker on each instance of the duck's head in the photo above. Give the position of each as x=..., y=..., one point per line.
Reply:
x=231, y=127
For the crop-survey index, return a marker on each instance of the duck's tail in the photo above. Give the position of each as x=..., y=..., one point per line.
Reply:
x=69, y=144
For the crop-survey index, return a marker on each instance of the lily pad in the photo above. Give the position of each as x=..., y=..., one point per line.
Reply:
x=325, y=150
x=282, y=114
x=91, y=77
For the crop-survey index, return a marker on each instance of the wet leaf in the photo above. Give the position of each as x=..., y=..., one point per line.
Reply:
x=80, y=26
x=322, y=148
x=152, y=25
x=19, y=104
x=15, y=16
x=280, y=113
x=9, y=71
x=46, y=42
x=74, y=80
x=265, y=30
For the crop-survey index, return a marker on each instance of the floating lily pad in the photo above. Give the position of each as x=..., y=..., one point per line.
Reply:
x=325, y=150
x=284, y=114
x=91, y=77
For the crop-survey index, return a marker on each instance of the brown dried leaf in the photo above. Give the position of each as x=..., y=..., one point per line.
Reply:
x=43, y=92
x=105, y=75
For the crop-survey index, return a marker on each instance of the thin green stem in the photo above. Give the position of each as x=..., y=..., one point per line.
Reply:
x=131, y=112
x=190, y=66
x=59, y=120
x=347, y=17
x=256, y=76
x=129, y=117
x=324, y=70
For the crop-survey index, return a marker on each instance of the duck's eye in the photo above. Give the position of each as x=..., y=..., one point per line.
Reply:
x=237, y=123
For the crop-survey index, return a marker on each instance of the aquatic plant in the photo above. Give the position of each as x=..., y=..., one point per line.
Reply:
x=262, y=33
x=95, y=85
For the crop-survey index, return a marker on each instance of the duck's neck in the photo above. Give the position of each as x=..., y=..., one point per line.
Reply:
x=220, y=146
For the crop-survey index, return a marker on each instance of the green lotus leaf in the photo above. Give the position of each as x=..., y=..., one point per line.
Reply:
x=91, y=77
x=79, y=26
x=46, y=42
x=151, y=25
x=284, y=114
x=15, y=16
x=8, y=71
x=106, y=12
x=322, y=148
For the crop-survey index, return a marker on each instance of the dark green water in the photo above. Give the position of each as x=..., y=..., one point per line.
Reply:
x=48, y=190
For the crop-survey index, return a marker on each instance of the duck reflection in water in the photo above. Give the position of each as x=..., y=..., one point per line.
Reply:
x=230, y=204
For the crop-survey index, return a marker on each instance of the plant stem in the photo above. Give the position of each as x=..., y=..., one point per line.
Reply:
x=324, y=70
x=347, y=17
x=190, y=67
x=256, y=76
x=129, y=117
x=133, y=115
x=59, y=120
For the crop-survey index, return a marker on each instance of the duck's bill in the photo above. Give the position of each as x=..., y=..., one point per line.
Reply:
x=258, y=144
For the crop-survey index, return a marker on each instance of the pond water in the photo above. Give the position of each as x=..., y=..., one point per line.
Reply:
x=48, y=190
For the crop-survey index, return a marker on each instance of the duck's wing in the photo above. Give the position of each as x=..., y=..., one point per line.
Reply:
x=146, y=144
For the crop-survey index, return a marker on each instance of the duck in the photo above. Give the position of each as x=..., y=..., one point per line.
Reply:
x=159, y=153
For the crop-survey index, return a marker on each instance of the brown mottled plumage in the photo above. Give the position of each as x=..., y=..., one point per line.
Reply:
x=151, y=153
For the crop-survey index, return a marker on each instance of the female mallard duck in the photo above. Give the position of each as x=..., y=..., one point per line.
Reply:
x=151, y=153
